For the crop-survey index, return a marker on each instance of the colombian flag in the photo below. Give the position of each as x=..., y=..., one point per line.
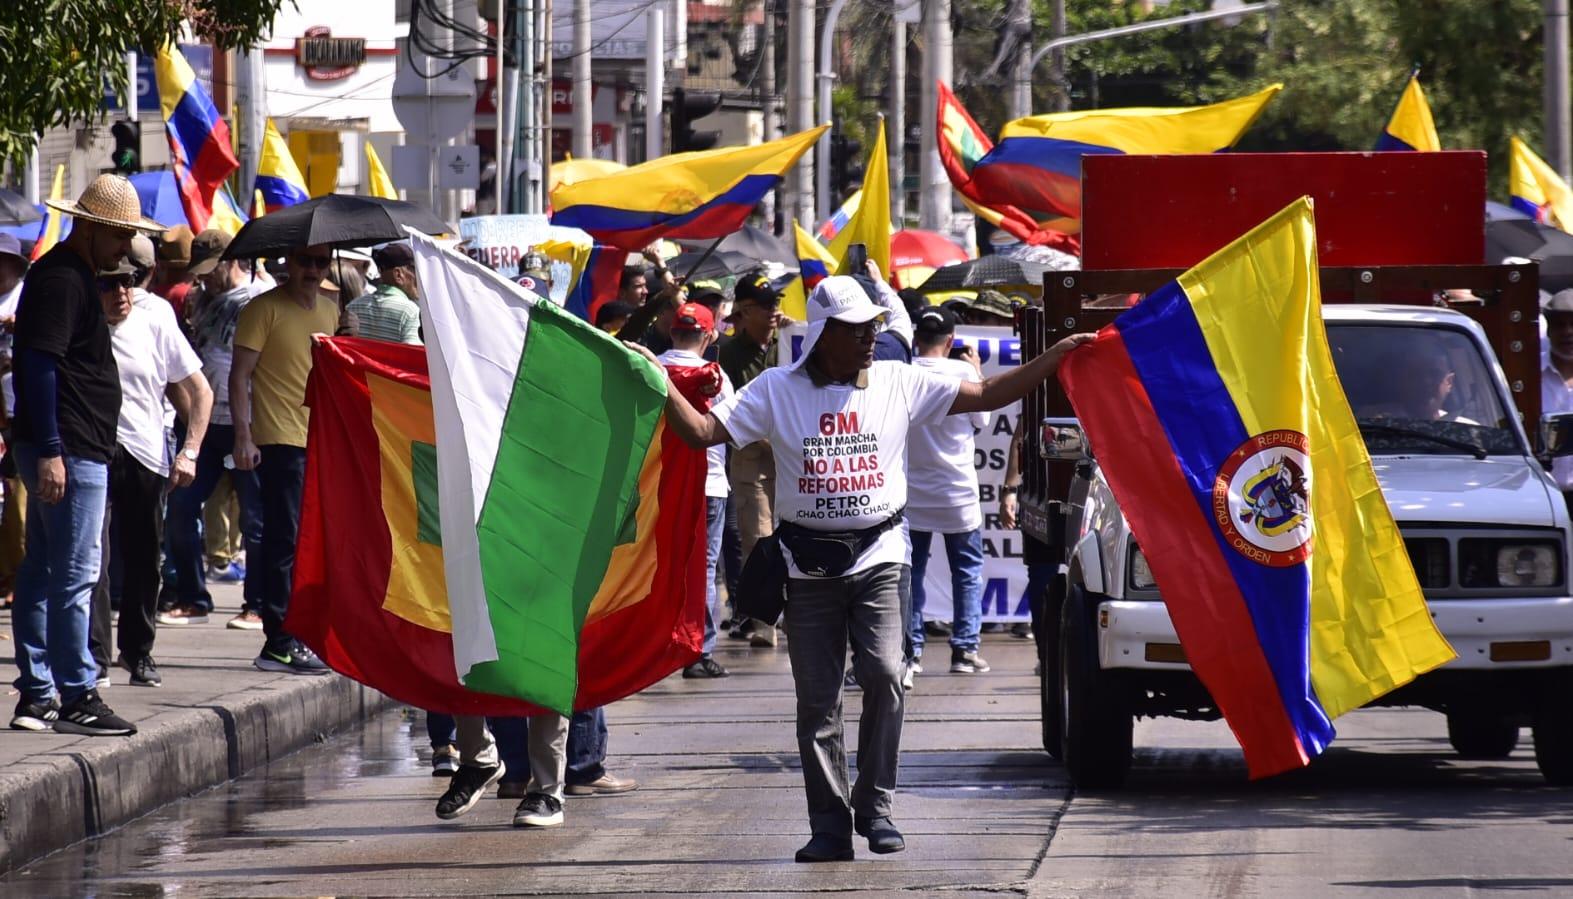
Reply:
x=1220, y=422
x=1037, y=163
x=599, y=270
x=830, y=227
x=278, y=177
x=373, y=601
x=1537, y=190
x=814, y=263
x=199, y=143
x=870, y=225
x=686, y=195
x=1411, y=127
x=961, y=145
x=378, y=184
x=49, y=230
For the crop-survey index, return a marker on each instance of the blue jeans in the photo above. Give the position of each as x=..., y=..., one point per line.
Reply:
x=586, y=746
x=965, y=554
x=54, y=585
x=185, y=515
x=282, y=477
x=715, y=530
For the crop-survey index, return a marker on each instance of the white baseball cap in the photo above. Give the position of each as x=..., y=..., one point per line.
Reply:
x=838, y=297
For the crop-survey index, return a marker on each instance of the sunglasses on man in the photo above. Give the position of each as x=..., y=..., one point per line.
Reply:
x=107, y=283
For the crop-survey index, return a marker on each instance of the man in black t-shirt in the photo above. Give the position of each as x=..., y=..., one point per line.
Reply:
x=67, y=409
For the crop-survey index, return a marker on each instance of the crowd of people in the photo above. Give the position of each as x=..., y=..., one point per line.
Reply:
x=155, y=440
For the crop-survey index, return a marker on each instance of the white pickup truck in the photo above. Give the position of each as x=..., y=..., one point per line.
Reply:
x=1485, y=525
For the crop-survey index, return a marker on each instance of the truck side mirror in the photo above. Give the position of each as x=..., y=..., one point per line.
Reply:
x=1063, y=440
x=1556, y=435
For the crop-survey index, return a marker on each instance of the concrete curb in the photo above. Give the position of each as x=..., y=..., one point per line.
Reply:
x=63, y=797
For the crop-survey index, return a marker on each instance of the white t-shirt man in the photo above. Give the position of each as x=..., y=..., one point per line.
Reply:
x=941, y=472
x=1556, y=396
x=840, y=449
x=717, y=486
x=152, y=354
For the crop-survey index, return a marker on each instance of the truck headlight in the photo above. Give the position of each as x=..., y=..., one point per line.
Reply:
x=1496, y=563
x=1141, y=575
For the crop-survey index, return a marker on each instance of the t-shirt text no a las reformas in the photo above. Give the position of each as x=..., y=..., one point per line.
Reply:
x=840, y=450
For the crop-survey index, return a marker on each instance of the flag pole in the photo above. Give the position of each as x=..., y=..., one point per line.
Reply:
x=695, y=267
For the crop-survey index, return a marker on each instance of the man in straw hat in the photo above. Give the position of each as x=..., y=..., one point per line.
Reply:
x=68, y=405
x=267, y=396
x=838, y=422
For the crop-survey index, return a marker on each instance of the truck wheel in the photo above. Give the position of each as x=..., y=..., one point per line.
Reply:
x=1554, y=746
x=1096, y=724
x=1478, y=736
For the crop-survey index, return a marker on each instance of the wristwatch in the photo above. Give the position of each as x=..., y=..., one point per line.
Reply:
x=189, y=453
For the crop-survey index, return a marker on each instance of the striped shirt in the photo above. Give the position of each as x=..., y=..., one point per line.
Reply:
x=387, y=315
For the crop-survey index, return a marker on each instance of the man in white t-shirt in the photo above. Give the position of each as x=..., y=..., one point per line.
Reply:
x=693, y=328
x=837, y=423
x=943, y=497
x=155, y=362
x=1556, y=377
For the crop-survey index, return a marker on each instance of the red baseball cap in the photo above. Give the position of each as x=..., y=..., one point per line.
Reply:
x=693, y=317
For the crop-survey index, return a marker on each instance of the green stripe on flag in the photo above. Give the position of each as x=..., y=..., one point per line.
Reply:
x=574, y=438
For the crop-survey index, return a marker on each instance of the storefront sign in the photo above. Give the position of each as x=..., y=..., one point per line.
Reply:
x=329, y=58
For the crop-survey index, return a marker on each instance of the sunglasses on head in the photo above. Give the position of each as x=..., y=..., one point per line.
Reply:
x=308, y=260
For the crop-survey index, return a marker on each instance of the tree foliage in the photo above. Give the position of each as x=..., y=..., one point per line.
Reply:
x=56, y=55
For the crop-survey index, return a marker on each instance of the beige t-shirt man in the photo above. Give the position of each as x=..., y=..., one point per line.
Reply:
x=279, y=331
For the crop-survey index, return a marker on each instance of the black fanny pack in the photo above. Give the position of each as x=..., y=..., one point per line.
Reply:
x=831, y=553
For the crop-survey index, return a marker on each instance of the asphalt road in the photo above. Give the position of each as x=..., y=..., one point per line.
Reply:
x=1389, y=811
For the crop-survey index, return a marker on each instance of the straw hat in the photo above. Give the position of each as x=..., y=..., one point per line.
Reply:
x=109, y=200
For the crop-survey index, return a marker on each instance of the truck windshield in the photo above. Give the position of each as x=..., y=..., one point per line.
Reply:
x=1421, y=390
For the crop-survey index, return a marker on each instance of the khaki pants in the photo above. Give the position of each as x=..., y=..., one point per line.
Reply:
x=221, y=526
x=13, y=532
x=753, y=476
x=548, y=749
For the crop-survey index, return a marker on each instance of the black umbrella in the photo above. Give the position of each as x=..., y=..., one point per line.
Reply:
x=1552, y=248
x=985, y=271
x=721, y=264
x=15, y=210
x=336, y=220
x=755, y=243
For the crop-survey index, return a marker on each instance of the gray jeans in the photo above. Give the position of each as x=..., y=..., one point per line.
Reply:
x=821, y=614
x=548, y=748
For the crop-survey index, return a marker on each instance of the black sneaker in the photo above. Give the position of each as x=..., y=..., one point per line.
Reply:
x=90, y=717
x=538, y=810
x=1022, y=629
x=143, y=672
x=35, y=716
x=706, y=667
x=469, y=784
x=289, y=657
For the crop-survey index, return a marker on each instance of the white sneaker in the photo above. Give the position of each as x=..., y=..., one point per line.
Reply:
x=906, y=677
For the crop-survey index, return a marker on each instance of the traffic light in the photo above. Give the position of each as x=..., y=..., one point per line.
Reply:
x=685, y=108
x=846, y=163
x=127, y=155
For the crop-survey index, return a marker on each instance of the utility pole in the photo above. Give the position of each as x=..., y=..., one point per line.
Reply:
x=583, y=92
x=540, y=127
x=1558, y=137
x=898, y=122
x=767, y=99
x=827, y=83
x=800, y=104
x=250, y=96
x=654, y=79
x=934, y=202
x=504, y=100
x=1062, y=88
x=1021, y=82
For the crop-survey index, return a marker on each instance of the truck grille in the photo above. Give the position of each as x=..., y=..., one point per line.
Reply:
x=1429, y=555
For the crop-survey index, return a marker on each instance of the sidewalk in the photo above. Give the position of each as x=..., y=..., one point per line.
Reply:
x=215, y=718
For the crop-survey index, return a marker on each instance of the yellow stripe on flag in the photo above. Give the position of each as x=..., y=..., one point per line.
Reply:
x=417, y=591
x=1370, y=628
x=870, y=224
x=630, y=573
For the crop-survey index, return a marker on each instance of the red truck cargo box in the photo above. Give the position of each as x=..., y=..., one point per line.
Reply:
x=1144, y=212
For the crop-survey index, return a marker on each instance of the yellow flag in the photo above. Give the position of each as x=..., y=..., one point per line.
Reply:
x=814, y=262
x=1537, y=189
x=378, y=184
x=49, y=235
x=870, y=225
x=1411, y=127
